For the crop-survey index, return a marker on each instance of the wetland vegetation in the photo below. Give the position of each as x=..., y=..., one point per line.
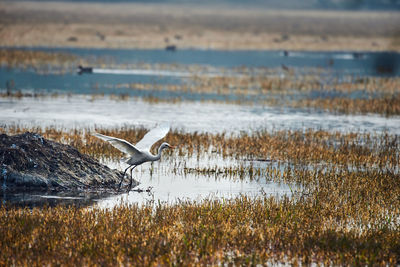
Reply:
x=344, y=210
x=337, y=153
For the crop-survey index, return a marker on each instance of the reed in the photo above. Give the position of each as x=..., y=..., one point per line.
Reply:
x=356, y=150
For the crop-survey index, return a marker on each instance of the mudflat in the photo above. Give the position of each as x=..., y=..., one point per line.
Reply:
x=150, y=26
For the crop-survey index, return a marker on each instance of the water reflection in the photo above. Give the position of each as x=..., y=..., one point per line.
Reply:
x=168, y=181
x=165, y=189
x=174, y=188
x=42, y=198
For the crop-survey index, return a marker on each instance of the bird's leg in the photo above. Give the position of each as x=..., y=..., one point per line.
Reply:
x=119, y=187
x=130, y=183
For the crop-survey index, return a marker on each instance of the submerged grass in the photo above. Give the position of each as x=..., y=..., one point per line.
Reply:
x=346, y=212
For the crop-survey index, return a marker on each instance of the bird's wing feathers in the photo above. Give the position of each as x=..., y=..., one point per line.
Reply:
x=153, y=136
x=120, y=144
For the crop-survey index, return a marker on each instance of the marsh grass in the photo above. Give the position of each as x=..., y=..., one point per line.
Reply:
x=362, y=151
x=242, y=231
x=349, y=95
x=387, y=106
x=38, y=61
x=347, y=210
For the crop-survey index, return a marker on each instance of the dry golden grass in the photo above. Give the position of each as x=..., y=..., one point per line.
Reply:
x=358, y=150
x=387, y=106
x=242, y=231
x=39, y=61
x=346, y=210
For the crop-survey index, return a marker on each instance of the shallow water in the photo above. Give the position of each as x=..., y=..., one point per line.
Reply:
x=346, y=62
x=168, y=181
x=108, y=80
x=84, y=112
x=172, y=188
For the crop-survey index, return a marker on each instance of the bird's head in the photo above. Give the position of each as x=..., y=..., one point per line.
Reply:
x=165, y=145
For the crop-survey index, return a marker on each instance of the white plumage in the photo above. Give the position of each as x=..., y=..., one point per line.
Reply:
x=139, y=153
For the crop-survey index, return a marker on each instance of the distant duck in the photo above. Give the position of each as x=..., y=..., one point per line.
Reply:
x=82, y=70
x=358, y=55
x=284, y=67
x=170, y=47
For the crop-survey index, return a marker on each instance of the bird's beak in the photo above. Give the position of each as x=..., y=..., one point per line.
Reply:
x=172, y=147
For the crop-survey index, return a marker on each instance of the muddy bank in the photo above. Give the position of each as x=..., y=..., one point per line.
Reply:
x=30, y=162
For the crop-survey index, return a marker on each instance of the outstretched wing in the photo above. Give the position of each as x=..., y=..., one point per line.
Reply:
x=120, y=144
x=153, y=136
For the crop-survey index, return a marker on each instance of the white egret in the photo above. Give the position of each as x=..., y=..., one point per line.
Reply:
x=139, y=153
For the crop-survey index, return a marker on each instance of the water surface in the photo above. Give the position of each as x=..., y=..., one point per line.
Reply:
x=85, y=112
x=106, y=80
x=343, y=62
x=168, y=181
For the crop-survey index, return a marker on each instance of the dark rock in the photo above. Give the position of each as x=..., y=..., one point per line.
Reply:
x=30, y=161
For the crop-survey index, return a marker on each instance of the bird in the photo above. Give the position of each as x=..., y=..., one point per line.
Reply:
x=139, y=153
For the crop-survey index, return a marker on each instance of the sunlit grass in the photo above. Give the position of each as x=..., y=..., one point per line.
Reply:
x=38, y=61
x=356, y=150
x=240, y=231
